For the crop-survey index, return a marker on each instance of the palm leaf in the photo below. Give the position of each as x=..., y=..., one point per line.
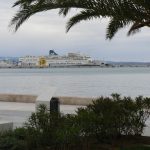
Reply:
x=121, y=12
x=83, y=15
x=115, y=25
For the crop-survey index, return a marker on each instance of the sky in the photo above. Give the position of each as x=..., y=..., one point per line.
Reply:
x=46, y=31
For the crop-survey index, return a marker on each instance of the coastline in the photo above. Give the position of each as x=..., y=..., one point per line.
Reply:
x=60, y=66
x=77, y=66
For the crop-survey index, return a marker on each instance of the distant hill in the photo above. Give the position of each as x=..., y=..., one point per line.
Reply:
x=129, y=63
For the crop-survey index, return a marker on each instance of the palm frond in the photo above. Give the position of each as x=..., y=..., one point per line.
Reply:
x=83, y=15
x=115, y=25
x=121, y=12
x=23, y=2
x=19, y=18
x=137, y=26
x=64, y=11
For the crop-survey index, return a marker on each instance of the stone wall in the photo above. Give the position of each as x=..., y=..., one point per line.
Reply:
x=18, y=98
x=64, y=100
x=81, y=101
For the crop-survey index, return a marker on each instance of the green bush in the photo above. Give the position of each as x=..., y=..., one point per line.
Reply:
x=103, y=121
x=12, y=140
x=111, y=117
x=140, y=147
x=41, y=128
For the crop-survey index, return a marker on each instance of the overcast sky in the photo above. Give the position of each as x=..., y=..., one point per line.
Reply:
x=46, y=31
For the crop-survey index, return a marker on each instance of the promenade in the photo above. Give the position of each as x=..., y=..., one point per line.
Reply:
x=18, y=113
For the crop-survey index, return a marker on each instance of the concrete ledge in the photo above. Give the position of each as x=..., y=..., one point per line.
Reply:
x=75, y=101
x=18, y=98
x=45, y=97
x=5, y=126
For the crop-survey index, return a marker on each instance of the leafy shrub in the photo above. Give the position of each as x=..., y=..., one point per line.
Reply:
x=103, y=121
x=68, y=135
x=12, y=140
x=41, y=128
x=139, y=147
x=111, y=117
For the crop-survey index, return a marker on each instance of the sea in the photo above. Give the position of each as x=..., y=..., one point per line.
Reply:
x=78, y=82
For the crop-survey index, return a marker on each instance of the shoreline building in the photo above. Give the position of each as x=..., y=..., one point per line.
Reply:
x=7, y=62
x=28, y=61
x=55, y=60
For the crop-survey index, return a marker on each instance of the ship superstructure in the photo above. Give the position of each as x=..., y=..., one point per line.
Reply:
x=55, y=60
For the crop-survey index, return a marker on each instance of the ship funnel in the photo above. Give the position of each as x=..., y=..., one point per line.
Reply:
x=52, y=53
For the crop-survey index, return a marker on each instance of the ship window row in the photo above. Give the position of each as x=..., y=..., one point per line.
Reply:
x=28, y=59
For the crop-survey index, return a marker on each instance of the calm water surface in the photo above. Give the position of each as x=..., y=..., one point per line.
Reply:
x=85, y=82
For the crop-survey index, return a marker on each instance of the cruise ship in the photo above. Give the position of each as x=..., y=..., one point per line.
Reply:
x=55, y=60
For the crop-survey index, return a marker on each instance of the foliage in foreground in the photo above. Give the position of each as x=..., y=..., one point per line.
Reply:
x=101, y=123
x=121, y=13
x=140, y=147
